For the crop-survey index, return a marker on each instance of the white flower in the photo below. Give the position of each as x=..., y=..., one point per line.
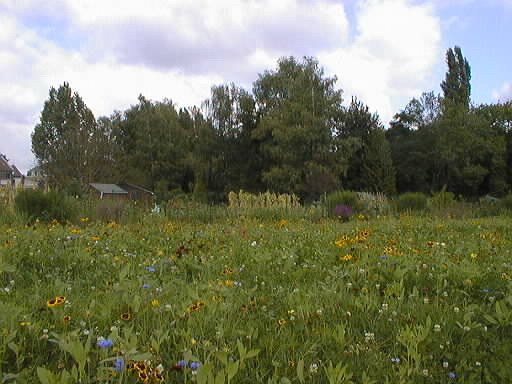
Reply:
x=456, y=309
x=313, y=368
x=437, y=328
x=445, y=364
x=253, y=244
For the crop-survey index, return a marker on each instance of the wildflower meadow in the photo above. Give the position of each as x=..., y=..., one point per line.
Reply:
x=385, y=299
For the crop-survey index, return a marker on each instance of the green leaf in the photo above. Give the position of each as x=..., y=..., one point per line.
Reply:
x=45, y=376
x=300, y=370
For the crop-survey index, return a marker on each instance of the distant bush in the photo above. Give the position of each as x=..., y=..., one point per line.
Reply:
x=342, y=199
x=411, y=201
x=38, y=205
x=442, y=200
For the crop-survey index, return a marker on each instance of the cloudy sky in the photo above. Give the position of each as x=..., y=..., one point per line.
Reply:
x=110, y=51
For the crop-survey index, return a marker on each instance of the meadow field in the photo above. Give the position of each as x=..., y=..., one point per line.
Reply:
x=391, y=299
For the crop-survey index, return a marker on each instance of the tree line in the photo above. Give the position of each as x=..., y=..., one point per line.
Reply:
x=292, y=133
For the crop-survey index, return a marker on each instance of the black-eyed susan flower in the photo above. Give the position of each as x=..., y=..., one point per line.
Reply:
x=281, y=322
x=126, y=316
x=59, y=300
x=67, y=318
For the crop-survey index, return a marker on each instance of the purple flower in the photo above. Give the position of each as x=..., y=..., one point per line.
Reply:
x=452, y=375
x=150, y=269
x=194, y=365
x=119, y=364
x=145, y=286
x=104, y=343
x=182, y=363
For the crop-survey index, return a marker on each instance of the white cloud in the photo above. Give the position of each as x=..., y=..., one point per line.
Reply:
x=391, y=57
x=504, y=93
x=206, y=36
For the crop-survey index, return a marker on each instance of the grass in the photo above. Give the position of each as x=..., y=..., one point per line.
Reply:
x=257, y=299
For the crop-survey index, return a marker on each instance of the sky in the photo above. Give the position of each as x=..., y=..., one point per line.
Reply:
x=385, y=52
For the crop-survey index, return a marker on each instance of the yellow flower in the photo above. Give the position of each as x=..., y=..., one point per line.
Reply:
x=473, y=255
x=281, y=322
x=282, y=223
x=155, y=303
x=346, y=257
x=229, y=283
x=84, y=219
x=95, y=238
x=25, y=323
x=76, y=231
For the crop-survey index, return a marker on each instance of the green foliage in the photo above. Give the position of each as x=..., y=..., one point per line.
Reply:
x=411, y=201
x=418, y=298
x=300, y=110
x=442, y=200
x=506, y=203
x=71, y=148
x=348, y=198
x=38, y=205
x=456, y=86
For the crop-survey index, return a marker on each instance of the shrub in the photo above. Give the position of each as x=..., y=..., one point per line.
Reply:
x=342, y=198
x=442, y=200
x=38, y=205
x=411, y=201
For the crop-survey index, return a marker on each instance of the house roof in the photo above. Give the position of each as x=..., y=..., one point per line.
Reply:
x=108, y=188
x=7, y=169
x=131, y=187
x=4, y=164
x=16, y=171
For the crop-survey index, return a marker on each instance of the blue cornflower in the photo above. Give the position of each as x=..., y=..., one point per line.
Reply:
x=151, y=269
x=145, y=285
x=194, y=365
x=104, y=343
x=452, y=375
x=119, y=364
x=182, y=363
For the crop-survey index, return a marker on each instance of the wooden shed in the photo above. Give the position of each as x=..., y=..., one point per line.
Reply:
x=109, y=191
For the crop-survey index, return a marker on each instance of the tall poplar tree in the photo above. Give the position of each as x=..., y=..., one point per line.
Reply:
x=456, y=86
